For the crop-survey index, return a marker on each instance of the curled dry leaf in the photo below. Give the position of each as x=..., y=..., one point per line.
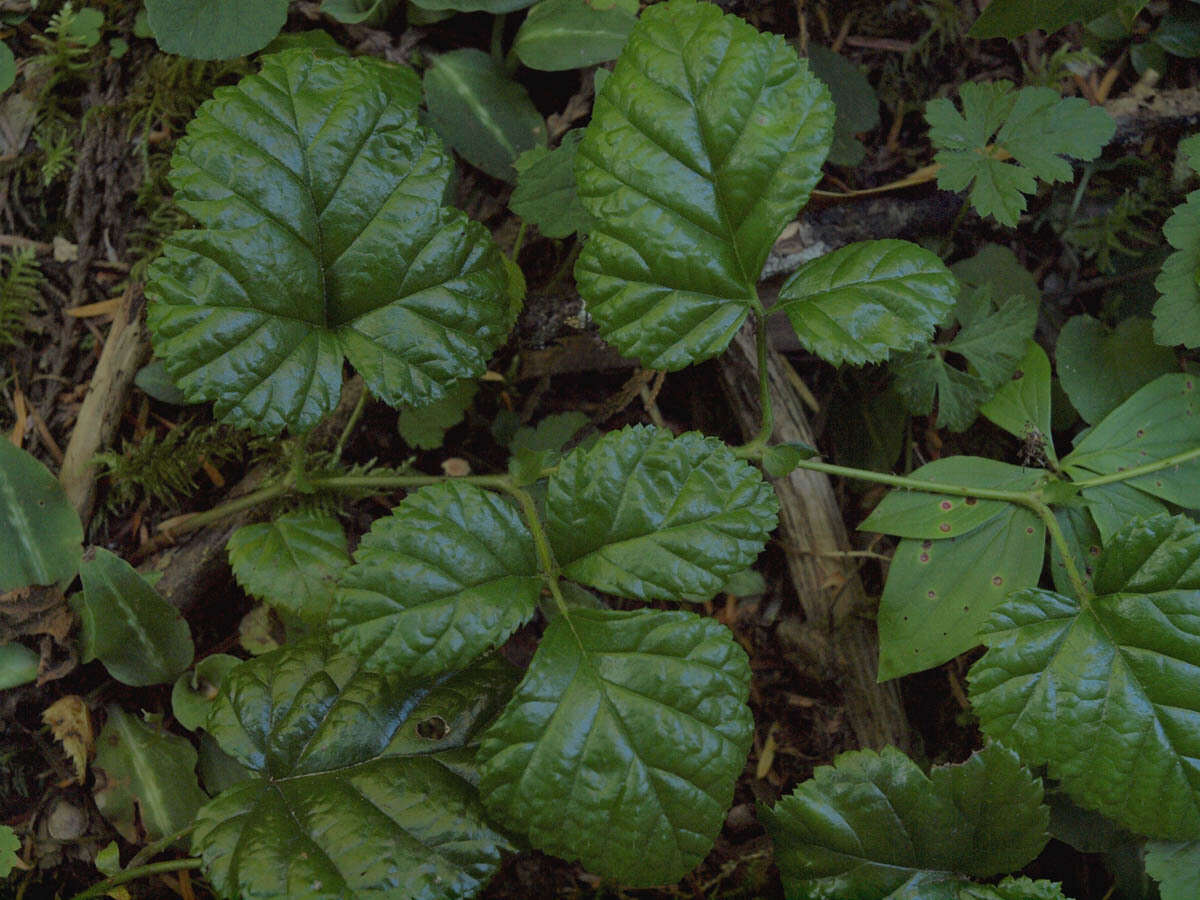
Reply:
x=70, y=722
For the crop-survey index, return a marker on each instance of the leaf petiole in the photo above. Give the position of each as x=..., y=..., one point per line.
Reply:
x=101, y=889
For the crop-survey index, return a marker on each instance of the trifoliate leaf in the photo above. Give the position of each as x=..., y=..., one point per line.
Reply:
x=292, y=562
x=1034, y=126
x=1176, y=868
x=359, y=12
x=637, y=718
x=646, y=515
x=546, y=195
x=1101, y=690
x=571, y=34
x=362, y=787
x=127, y=625
x=214, y=29
x=43, y=538
x=145, y=778
x=704, y=142
x=1012, y=18
x=854, y=99
x=1021, y=406
x=1177, y=312
x=1161, y=419
x=1101, y=367
x=325, y=236
x=861, y=302
x=425, y=427
x=449, y=574
x=481, y=112
x=873, y=823
x=194, y=691
x=10, y=846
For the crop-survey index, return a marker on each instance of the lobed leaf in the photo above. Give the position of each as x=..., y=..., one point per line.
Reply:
x=363, y=784
x=622, y=744
x=1102, y=689
x=324, y=235
x=1022, y=404
x=646, y=515
x=43, y=537
x=425, y=427
x=704, y=142
x=1177, y=310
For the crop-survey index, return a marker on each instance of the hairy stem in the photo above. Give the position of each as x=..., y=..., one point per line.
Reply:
x=1144, y=469
x=101, y=888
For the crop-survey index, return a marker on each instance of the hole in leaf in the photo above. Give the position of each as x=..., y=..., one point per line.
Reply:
x=433, y=729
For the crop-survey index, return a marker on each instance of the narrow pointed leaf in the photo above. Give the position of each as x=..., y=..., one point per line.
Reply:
x=43, y=538
x=860, y=303
x=449, y=574
x=623, y=742
x=324, y=236
x=705, y=141
x=646, y=515
x=873, y=824
x=1103, y=691
x=362, y=787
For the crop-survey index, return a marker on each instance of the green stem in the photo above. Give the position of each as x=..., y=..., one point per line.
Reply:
x=1024, y=498
x=101, y=888
x=152, y=850
x=404, y=482
x=355, y=415
x=541, y=543
x=519, y=242
x=498, y=41
x=1137, y=471
x=754, y=448
x=1064, y=550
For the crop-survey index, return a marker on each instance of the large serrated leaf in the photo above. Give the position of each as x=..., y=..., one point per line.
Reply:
x=449, y=574
x=571, y=34
x=873, y=825
x=622, y=743
x=214, y=29
x=291, y=562
x=1160, y=420
x=646, y=515
x=43, y=538
x=1100, y=367
x=704, y=142
x=324, y=235
x=140, y=637
x=363, y=784
x=1177, y=312
x=1103, y=690
x=863, y=301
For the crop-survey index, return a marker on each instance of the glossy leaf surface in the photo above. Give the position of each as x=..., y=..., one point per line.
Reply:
x=860, y=303
x=646, y=515
x=126, y=624
x=1103, y=691
x=623, y=741
x=873, y=825
x=1177, y=312
x=363, y=783
x=1100, y=367
x=571, y=34
x=705, y=141
x=214, y=29
x=292, y=562
x=324, y=236
x=449, y=574
x=43, y=538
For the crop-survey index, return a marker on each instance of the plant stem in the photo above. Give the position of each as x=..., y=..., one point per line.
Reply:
x=101, y=888
x=355, y=415
x=498, y=41
x=1144, y=469
x=917, y=484
x=152, y=850
x=540, y=542
x=404, y=482
x=519, y=242
x=1064, y=550
x=753, y=449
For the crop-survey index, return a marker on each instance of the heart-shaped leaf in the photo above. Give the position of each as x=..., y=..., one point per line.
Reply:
x=324, y=235
x=646, y=515
x=705, y=141
x=363, y=784
x=43, y=538
x=449, y=574
x=1103, y=689
x=622, y=743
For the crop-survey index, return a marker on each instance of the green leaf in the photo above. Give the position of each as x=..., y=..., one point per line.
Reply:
x=1102, y=690
x=1114, y=505
x=535, y=449
x=571, y=34
x=214, y=29
x=1015, y=889
x=153, y=379
x=1101, y=367
x=545, y=194
x=324, y=236
x=315, y=40
x=873, y=823
x=1176, y=868
x=194, y=692
x=108, y=860
x=425, y=427
x=996, y=270
x=363, y=784
x=1022, y=404
x=8, y=67
x=10, y=846
x=43, y=538
x=646, y=515
x=705, y=141
x=623, y=742
x=481, y=112
x=782, y=459
x=449, y=574
x=18, y=665
x=356, y=12
x=1179, y=32
x=853, y=98
x=127, y=625
x=1160, y=420
x=1083, y=541
x=145, y=778
x=495, y=7
x=861, y=302
x=1012, y=18
x=1035, y=126
x=1177, y=312
x=292, y=562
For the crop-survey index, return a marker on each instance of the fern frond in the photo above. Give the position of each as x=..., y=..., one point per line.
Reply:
x=20, y=293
